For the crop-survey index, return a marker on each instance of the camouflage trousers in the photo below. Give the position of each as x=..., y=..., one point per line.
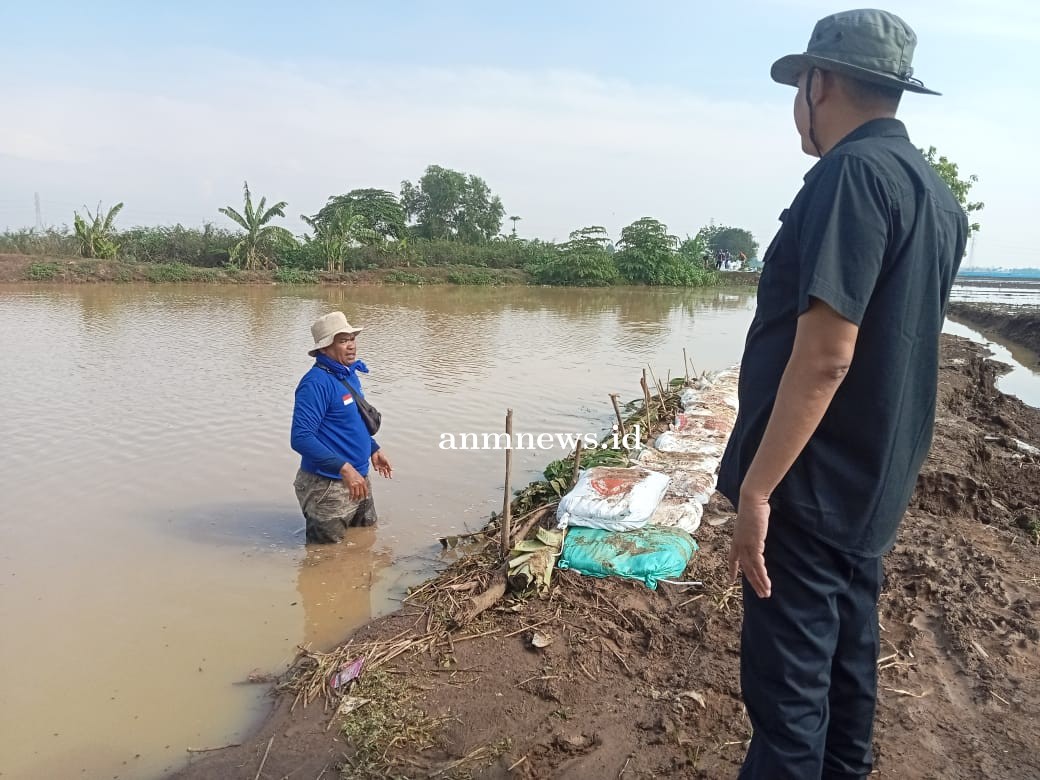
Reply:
x=328, y=508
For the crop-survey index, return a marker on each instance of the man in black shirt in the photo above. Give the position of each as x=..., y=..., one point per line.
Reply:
x=837, y=398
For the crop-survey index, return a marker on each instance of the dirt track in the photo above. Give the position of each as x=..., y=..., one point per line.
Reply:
x=646, y=683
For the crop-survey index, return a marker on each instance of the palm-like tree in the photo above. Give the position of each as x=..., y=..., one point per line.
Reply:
x=514, y=220
x=254, y=248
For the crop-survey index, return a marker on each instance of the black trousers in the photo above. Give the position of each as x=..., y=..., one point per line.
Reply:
x=808, y=660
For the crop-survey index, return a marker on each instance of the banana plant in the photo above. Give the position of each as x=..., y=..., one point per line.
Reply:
x=335, y=231
x=253, y=251
x=96, y=237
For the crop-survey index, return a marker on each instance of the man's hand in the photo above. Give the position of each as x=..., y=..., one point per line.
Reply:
x=747, y=549
x=382, y=465
x=354, y=482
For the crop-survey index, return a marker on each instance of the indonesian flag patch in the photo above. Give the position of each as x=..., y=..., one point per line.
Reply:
x=348, y=399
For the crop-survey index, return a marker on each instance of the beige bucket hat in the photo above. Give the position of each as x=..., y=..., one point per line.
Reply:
x=326, y=328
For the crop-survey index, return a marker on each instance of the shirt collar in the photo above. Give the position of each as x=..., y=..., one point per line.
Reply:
x=886, y=127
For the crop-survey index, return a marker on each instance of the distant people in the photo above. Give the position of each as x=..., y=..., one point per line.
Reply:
x=718, y=259
x=743, y=260
x=328, y=431
x=837, y=399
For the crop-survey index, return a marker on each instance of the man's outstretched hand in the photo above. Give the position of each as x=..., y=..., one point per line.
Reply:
x=382, y=464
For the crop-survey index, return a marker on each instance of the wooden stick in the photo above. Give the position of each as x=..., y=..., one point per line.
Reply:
x=495, y=590
x=532, y=519
x=686, y=368
x=646, y=400
x=211, y=749
x=507, y=499
x=264, y=759
x=660, y=390
x=617, y=411
x=577, y=462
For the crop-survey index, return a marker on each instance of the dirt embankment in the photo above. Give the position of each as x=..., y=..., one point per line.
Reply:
x=638, y=683
x=1014, y=323
x=23, y=268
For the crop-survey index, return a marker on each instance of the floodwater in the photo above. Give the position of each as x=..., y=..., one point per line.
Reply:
x=1023, y=377
x=151, y=549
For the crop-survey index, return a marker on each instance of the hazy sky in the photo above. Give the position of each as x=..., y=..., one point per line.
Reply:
x=574, y=113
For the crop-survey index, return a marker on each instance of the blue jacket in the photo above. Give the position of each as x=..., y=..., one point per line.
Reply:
x=327, y=429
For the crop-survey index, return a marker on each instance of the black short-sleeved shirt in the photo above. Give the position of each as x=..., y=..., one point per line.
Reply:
x=875, y=234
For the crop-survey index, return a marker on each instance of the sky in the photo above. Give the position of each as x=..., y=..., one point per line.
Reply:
x=574, y=113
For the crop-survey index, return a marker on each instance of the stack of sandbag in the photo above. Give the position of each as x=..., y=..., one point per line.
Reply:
x=690, y=451
x=637, y=522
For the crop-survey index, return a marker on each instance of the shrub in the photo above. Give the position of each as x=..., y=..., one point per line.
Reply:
x=285, y=275
x=42, y=272
x=171, y=272
x=403, y=277
x=475, y=277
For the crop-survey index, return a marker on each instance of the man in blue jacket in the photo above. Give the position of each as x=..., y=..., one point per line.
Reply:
x=837, y=398
x=332, y=484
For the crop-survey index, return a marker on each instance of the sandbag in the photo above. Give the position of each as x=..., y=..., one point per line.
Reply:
x=647, y=554
x=613, y=499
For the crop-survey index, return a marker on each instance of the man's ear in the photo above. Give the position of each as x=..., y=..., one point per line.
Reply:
x=823, y=85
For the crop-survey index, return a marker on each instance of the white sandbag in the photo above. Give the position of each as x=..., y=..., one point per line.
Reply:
x=677, y=513
x=693, y=476
x=670, y=441
x=614, y=499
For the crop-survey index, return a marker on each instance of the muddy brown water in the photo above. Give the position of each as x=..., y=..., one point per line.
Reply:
x=152, y=551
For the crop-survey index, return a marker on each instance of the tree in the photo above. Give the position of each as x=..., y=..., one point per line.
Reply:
x=697, y=252
x=514, y=220
x=380, y=213
x=449, y=204
x=647, y=255
x=335, y=234
x=948, y=172
x=728, y=239
x=584, y=261
x=96, y=238
x=254, y=249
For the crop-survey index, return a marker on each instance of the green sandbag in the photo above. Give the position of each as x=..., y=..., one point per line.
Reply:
x=647, y=554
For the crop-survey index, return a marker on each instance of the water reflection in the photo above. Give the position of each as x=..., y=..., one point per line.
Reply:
x=241, y=525
x=335, y=583
x=169, y=432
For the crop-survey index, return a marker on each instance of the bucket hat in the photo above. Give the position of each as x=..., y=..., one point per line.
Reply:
x=865, y=44
x=326, y=328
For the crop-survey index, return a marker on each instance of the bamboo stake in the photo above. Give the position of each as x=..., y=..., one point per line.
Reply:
x=686, y=368
x=507, y=498
x=660, y=390
x=646, y=399
x=617, y=411
x=577, y=462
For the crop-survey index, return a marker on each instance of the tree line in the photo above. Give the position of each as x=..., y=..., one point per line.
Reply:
x=446, y=218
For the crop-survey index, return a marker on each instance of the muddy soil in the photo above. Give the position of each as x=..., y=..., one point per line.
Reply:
x=638, y=683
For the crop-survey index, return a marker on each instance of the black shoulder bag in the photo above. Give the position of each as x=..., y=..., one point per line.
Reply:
x=371, y=416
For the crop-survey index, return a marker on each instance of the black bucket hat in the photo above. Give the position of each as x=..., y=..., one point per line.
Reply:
x=866, y=44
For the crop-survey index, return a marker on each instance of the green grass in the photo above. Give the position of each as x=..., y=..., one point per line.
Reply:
x=475, y=277
x=403, y=277
x=42, y=272
x=295, y=276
